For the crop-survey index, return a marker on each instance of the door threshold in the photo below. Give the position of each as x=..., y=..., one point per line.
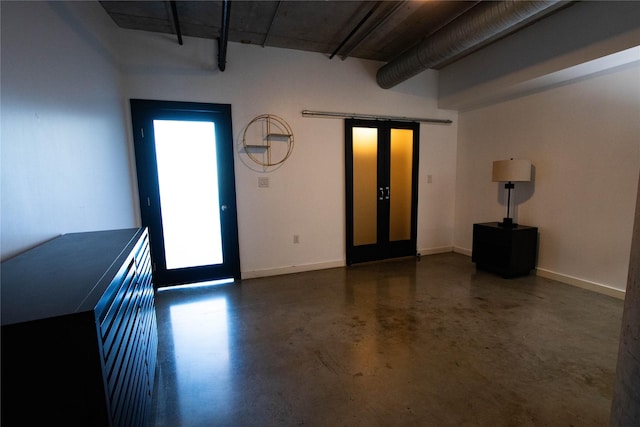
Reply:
x=197, y=285
x=386, y=260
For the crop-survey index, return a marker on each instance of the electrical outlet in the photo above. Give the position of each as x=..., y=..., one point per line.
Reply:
x=296, y=238
x=263, y=182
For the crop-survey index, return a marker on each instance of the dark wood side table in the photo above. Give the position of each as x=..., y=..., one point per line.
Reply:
x=507, y=251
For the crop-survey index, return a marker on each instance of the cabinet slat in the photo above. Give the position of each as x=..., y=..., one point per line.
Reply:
x=90, y=297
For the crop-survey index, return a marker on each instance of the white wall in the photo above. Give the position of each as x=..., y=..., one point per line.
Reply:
x=558, y=48
x=306, y=195
x=67, y=165
x=65, y=157
x=582, y=138
x=572, y=107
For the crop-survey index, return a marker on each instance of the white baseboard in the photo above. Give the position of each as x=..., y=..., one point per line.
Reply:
x=435, y=251
x=292, y=269
x=254, y=274
x=563, y=278
x=568, y=280
x=581, y=283
x=462, y=251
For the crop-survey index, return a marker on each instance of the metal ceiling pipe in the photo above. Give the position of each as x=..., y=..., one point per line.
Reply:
x=176, y=21
x=481, y=23
x=273, y=18
x=356, y=28
x=224, y=35
x=370, y=31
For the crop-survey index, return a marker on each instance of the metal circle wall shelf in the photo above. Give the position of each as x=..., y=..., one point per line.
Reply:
x=272, y=131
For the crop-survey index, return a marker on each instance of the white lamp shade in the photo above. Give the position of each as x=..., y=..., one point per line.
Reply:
x=511, y=170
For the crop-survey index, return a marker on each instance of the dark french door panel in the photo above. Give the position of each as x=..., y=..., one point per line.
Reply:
x=381, y=189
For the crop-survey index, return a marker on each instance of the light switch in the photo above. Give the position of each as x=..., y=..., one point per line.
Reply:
x=263, y=182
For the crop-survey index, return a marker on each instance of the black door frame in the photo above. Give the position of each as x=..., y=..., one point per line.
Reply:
x=143, y=112
x=384, y=248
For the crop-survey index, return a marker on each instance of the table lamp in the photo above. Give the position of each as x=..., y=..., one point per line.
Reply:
x=510, y=171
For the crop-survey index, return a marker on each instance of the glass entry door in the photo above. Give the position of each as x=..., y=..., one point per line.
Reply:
x=381, y=189
x=184, y=160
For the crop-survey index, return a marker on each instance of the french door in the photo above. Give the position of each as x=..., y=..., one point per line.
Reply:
x=381, y=189
x=184, y=162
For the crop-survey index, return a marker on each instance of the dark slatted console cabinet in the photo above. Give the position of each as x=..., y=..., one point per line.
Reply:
x=507, y=251
x=79, y=335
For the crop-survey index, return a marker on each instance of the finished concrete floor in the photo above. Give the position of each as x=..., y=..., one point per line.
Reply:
x=409, y=342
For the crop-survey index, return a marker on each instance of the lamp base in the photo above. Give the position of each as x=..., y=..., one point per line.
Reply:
x=507, y=223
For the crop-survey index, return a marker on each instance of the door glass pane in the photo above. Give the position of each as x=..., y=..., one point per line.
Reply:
x=189, y=201
x=365, y=186
x=401, y=180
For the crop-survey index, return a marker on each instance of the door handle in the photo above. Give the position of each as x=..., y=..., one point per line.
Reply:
x=388, y=193
x=223, y=207
x=381, y=197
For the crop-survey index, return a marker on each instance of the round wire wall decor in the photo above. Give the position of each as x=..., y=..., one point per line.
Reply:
x=273, y=137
